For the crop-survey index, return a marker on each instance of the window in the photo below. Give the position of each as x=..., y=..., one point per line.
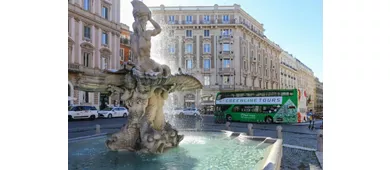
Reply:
x=171, y=18
x=188, y=33
x=188, y=63
x=105, y=12
x=188, y=48
x=171, y=33
x=225, y=18
x=189, y=19
x=85, y=99
x=121, y=53
x=226, y=47
x=86, y=59
x=104, y=38
x=206, y=18
x=87, y=32
x=86, y=5
x=226, y=79
x=226, y=32
x=206, y=48
x=206, y=80
x=171, y=48
x=206, y=64
x=104, y=63
x=206, y=33
x=226, y=63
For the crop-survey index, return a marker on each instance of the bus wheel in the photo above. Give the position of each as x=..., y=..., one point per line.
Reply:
x=229, y=118
x=268, y=119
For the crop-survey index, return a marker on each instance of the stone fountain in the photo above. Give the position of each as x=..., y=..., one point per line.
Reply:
x=145, y=85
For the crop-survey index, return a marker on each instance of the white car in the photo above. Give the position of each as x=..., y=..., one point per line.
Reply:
x=82, y=112
x=188, y=112
x=111, y=112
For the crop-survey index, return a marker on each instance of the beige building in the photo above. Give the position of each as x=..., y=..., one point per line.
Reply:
x=305, y=81
x=223, y=46
x=93, y=45
x=318, y=102
x=288, y=71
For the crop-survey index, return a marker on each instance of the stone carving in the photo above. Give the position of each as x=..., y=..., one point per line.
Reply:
x=145, y=86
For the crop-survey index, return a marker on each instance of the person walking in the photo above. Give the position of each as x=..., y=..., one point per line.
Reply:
x=311, y=119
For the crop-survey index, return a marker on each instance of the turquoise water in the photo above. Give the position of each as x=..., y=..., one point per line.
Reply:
x=197, y=151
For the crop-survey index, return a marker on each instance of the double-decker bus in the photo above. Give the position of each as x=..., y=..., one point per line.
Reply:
x=279, y=106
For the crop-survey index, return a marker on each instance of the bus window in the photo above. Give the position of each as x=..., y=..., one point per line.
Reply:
x=236, y=109
x=249, y=94
x=240, y=95
x=222, y=108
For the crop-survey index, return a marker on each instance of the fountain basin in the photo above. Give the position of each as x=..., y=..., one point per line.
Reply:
x=206, y=149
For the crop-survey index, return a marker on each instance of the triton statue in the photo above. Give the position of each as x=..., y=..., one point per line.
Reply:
x=145, y=86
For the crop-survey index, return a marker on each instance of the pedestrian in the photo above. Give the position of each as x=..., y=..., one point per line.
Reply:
x=311, y=119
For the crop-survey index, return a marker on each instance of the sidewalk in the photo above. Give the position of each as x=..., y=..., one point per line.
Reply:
x=307, y=123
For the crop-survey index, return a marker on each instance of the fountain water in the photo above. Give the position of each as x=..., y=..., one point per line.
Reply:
x=198, y=150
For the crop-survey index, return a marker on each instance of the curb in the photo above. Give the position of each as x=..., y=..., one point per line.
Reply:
x=207, y=124
x=302, y=133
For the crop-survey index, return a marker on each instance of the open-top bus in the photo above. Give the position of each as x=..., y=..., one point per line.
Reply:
x=279, y=106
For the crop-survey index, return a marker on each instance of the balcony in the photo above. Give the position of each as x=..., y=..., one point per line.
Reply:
x=226, y=71
x=75, y=68
x=125, y=41
x=206, y=70
x=173, y=22
x=226, y=37
x=206, y=22
x=226, y=87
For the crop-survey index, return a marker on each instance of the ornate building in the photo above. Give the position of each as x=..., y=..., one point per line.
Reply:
x=93, y=45
x=305, y=81
x=223, y=46
x=318, y=102
x=288, y=71
x=125, y=50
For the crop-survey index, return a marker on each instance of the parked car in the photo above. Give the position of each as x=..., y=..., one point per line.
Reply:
x=82, y=112
x=110, y=112
x=187, y=112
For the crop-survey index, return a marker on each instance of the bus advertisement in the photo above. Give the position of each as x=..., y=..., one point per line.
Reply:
x=279, y=106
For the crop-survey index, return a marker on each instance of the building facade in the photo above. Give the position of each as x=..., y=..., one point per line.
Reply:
x=305, y=81
x=222, y=46
x=125, y=50
x=318, y=103
x=93, y=46
x=288, y=71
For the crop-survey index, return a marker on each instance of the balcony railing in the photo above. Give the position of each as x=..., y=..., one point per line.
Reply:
x=226, y=87
x=74, y=67
x=206, y=70
x=226, y=70
x=125, y=41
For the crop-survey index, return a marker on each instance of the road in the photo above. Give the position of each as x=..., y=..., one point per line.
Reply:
x=86, y=127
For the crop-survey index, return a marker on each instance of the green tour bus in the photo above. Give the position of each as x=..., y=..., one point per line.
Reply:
x=278, y=106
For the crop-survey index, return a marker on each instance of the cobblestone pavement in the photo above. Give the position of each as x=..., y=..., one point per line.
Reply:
x=296, y=159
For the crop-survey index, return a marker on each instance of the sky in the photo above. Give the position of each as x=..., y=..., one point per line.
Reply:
x=296, y=25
